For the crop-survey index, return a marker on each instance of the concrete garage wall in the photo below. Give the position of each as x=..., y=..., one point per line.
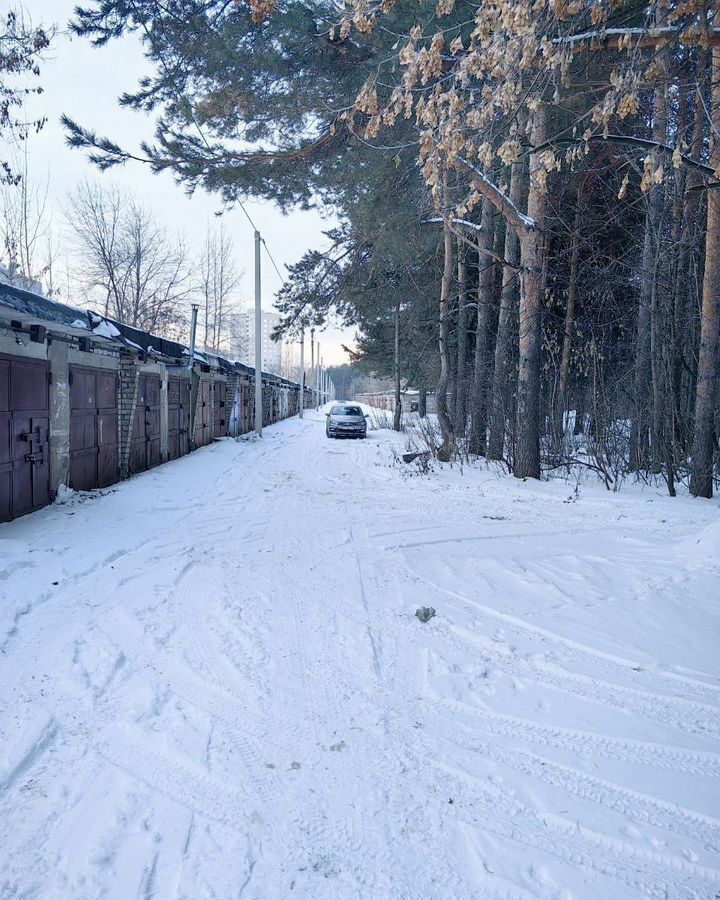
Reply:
x=20, y=345
x=58, y=355
x=63, y=342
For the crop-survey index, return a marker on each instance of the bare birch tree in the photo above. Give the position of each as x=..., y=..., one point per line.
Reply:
x=219, y=279
x=126, y=258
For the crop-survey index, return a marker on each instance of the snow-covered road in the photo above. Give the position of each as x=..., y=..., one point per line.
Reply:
x=213, y=684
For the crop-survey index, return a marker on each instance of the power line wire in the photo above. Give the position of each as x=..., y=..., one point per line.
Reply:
x=272, y=260
x=263, y=241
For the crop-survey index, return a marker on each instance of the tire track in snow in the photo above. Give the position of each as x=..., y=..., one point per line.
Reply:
x=656, y=875
x=629, y=803
x=325, y=838
x=220, y=707
x=652, y=877
x=626, y=750
x=178, y=778
x=700, y=718
x=690, y=762
x=687, y=715
x=377, y=587
x=612, y=666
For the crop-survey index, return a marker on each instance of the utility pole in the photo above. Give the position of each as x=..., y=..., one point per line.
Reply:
x=258, y=342
x=191, y=361
x=317, y=379
x=312, y=362
x=302, y=372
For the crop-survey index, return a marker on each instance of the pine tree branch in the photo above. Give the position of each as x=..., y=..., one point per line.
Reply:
x=613, y=38
x=109, y=154
x=464, y=224
x=502, y=203
x=625, y=139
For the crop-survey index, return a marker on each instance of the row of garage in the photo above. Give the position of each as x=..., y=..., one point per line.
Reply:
x=87, y=409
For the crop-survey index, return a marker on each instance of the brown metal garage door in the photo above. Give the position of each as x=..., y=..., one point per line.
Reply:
x=203, y=410
x=24, y=436
x=145, y=440
x=219, y=410
x=178, y=416
x=93, y=428
x=247, y=407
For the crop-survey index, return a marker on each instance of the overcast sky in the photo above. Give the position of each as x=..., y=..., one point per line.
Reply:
x=85, y=82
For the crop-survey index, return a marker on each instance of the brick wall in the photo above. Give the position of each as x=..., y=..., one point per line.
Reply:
x=127, y=401
x=232, y=404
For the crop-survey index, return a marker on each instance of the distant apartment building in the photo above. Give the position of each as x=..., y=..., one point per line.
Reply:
x=271, y=350
x=11, y=275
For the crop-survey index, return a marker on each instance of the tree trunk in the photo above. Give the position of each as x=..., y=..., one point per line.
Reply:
x=396, y=368
x=679, y=287
x=527, y=460
x=640, y=429
x=647, y=441
x=701, y=469
x=422, y=402
x=580, y=411
x=460, y=420
x=448, y=438
x=478, y=400
x=561, y=403
x=508, y=294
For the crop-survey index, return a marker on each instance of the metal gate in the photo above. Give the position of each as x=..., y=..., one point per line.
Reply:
x=24, y=436
x=203, y=411
x=145, y=440
x=219, y=409
x=93, y=428
x=178, y=416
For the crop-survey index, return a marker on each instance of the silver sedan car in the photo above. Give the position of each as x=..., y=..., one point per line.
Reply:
x=346, y=420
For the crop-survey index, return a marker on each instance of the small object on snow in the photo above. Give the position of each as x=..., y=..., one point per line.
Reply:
x=425, y=613
x=411, y=457
x=64, y=494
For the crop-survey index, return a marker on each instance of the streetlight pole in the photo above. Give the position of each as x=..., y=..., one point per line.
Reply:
x=193, y=332
x=258, y=342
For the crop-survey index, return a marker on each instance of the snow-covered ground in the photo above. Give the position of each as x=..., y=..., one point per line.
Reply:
x=213, y=684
